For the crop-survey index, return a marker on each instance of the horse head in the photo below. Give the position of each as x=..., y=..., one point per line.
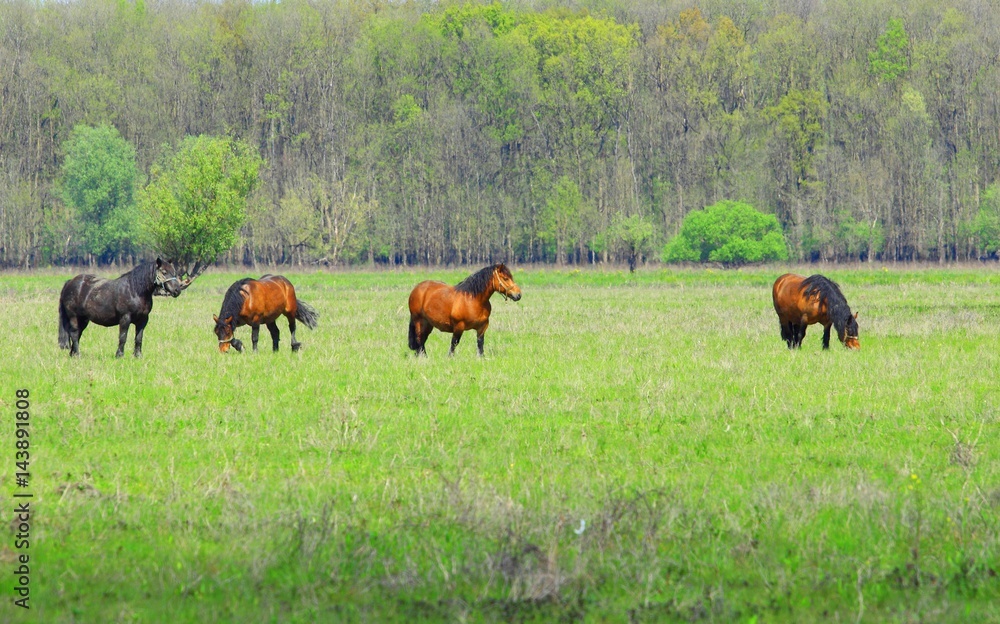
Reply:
x=224, y=331
x=166, y=279
x=850, y=337
x=505, y=282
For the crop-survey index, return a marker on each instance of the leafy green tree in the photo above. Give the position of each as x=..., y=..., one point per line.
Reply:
x=729, y=232
x=98, y=180
x=857, y=239
x=799, y=125
x=195, y=202
x=561, y=216
x=633, y=235
x=986, y=225
x=890, y=59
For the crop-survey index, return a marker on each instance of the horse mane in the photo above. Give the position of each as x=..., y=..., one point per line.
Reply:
x=142, y=277
x=479, y=281
x=836, y=304
x=232, y=303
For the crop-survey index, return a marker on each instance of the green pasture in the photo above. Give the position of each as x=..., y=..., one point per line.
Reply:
x=631, y=449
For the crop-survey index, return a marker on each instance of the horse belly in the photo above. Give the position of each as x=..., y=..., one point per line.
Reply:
x=445, y=326
x=97, y=309
x=105, y=320
x=466, y=317
x=270, y=317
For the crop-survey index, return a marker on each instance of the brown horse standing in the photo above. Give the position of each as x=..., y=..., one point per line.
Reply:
x=462, y=308
x=260, y=302
x=801, y=301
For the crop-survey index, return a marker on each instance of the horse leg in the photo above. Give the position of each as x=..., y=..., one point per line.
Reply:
x=800, y=334
x=76, y=327
x=122, y=334
x=273, y=328
x=254, y=335
x=480, y=338
x=424, y=329
x=296, y=345
x=455, y=337
x=418, y=334
x=787, y=334
x=140, y=326
x=826, y=337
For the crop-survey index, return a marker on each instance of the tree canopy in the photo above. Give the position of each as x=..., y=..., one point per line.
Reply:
x=729, y=232
x=97, y=179
x=195, y=202
x=986, y=226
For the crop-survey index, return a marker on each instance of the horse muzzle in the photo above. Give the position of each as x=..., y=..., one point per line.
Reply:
x=225, y=344
x=515, y=296
x=170, y=286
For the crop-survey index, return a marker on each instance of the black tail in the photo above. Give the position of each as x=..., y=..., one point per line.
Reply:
x=414, y=345
x=306, y=313
x=63, y=331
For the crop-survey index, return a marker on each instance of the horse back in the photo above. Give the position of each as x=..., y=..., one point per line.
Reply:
x=786, y=293
x=431, y=298
x=792, y=304
x=77, y=290
x=269, y=297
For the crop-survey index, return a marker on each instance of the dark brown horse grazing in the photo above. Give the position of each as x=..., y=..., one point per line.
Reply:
x=801, y=301
x=260, y=302
x=459, y=309
x=125, y=301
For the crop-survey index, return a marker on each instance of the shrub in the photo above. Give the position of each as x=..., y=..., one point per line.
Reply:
x=729, y=232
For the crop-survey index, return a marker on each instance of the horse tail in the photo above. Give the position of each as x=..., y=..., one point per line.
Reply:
x=306, y=313
x=63, y=329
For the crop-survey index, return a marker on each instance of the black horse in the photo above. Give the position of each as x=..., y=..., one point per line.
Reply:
x=123, y=301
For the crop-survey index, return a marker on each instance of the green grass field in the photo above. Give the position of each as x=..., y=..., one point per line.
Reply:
x=631, y=449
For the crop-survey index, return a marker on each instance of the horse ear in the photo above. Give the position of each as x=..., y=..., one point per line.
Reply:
x=215, y=317
x=229, y=319
x=855, y=316
x=159, y=263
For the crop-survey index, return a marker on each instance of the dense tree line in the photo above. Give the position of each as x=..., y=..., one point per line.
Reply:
x=429, y=132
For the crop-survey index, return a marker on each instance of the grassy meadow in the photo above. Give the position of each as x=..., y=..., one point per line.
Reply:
x=631, y=449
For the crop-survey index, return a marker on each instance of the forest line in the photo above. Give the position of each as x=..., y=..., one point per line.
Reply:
x=457, y=133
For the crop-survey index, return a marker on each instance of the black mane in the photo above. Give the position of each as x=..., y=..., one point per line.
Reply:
x=232, y=303
x=836, y=305
x=479, y=281
x=142, y=278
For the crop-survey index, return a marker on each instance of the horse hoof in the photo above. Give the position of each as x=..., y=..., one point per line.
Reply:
x=295, y=347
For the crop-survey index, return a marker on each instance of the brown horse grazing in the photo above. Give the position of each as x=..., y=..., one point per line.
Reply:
x=256, y=302
x=455, y=310
x=801, y=301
